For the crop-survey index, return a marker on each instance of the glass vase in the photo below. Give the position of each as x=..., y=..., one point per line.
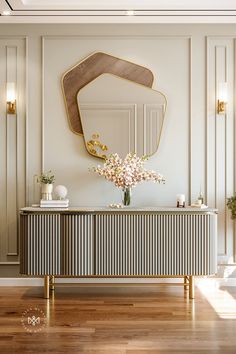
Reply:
x=126, y=196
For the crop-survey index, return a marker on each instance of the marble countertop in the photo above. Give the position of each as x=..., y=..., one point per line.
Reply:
x=82, y=209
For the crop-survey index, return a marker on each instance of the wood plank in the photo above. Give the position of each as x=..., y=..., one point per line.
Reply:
x=120, y=320
x=90, y=68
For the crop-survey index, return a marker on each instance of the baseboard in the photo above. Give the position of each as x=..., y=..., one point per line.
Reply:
x=219, y=282
x=26, y=281
x=21, y=281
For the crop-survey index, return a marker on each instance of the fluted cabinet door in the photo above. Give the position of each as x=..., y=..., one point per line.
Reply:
x=155, y=244
x=40, y=245
x=77, y=244
x=57, y=244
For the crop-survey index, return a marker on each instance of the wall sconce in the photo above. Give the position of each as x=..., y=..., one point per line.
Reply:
x=222, y=98
x=11, y=98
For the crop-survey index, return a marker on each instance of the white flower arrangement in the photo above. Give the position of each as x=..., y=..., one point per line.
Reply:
x=127, y=172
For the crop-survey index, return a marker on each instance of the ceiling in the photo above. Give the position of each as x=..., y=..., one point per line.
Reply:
x=118, y=11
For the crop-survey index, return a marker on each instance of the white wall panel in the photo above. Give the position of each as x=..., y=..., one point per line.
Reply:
x=11, y=166
x=12, y=147
x=220, y=141
x=64, y=152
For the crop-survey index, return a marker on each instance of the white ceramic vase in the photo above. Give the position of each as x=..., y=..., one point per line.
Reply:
x=46, y=190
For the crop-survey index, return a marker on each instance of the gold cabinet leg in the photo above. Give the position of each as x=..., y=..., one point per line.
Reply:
x=191, y=287
x=52, y=279
x=46, y=287
x=185, y=282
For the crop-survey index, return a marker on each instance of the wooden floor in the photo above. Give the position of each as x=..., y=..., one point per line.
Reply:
x=119, y=320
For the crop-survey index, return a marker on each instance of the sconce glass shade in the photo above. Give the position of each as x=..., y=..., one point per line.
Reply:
x=11, y=92
x=222, y=92
x=11, y=98
x=222, y=97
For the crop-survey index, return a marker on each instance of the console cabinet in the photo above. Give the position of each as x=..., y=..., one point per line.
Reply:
x=118, y=243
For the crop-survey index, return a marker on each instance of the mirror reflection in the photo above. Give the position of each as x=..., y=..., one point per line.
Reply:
x=120, y=116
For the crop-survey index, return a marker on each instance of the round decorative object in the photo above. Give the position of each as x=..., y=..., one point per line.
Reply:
x=60, y=192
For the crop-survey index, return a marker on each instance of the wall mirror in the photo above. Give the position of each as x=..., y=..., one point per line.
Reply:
x=120, y=116
x=87, y=70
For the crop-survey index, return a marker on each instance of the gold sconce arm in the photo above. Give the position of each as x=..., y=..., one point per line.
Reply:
x=11, y=107
x=221, y=107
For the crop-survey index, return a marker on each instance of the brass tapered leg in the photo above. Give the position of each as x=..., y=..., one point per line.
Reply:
x=191, y=287
x=46, y=287
x=185, y=282
x=52, y=279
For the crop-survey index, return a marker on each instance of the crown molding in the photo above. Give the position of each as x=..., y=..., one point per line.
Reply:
x=115, y=11
x=162, y=5
x=108, y=19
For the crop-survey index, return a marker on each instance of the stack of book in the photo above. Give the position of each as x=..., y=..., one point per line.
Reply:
x=64, y=203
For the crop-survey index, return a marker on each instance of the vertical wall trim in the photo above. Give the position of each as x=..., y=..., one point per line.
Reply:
x=226, y=154
x=42, y=107
x=190, y=126
x=135, y=126
x=206, y=117
x=144, y=130
x=11, y=168
x=216, y=127
x=221, y=76
x=17, y=155
x=234, y=128
x=26, y=127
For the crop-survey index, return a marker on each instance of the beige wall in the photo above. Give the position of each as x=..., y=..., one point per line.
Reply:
x=197, y=147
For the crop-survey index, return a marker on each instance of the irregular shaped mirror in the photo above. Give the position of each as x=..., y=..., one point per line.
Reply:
x=91, y=67
x=120, y=116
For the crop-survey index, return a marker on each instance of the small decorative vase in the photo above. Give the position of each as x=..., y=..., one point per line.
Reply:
x=46, y=190
x=126, y=196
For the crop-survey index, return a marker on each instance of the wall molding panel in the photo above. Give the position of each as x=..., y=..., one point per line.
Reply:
x=197, y=147
x=220, y=140
x=12, y=147
x=112, y=41
x=11, y=165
